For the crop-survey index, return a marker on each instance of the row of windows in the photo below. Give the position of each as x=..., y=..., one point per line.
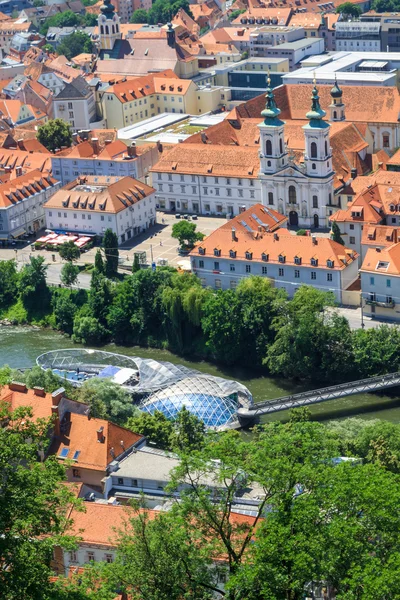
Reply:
x=388, y=282
x=233, y=282
x=264, y=270
x=205, y=179
x=206, y=191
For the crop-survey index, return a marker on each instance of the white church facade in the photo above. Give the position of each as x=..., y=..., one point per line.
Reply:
x=227, y=180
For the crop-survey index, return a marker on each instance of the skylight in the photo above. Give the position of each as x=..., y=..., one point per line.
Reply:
x=76, y=455
x=64, y=453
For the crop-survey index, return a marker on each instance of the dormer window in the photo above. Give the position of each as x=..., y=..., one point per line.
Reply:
x=392, y=207
x=248, y=255
x=297, y=260
x=217, y=252
x=314, y=262
x=264, y=257
x=232, y=253
x=282, y=258
x=330, y=263
x=202, y=250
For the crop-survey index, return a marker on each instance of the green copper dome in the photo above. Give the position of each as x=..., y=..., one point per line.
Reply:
x=107, y=9
x=271, y=112
x=316, y=113
x=336, y=92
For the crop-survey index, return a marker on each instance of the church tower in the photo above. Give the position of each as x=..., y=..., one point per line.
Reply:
x=108, y=23
x=318, y=152
x=273, y=155
x=336, y=107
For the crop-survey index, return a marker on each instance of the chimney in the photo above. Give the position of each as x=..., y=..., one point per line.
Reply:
x=107, y=142
x=95, y=145
x=378, y=249
x=15, y=386
x=18, y=171
x=132, y=152
x=314, y=240
x=234, y=238
x=122, y=444
x=159, y=146
x=100, y=436
x=39, y=391
x=112, y=452
x=20, y=143
x=56, y=419
x=353, y=173
x=203, y=137
x=276, y=236
x=57, y=395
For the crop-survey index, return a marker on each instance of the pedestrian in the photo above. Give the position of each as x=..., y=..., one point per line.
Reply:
x=160, y=242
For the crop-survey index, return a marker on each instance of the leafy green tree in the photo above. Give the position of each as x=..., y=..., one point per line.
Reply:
x=99, y=263
x=189, y=432
x=376, y=351
x=155, y=427
x=33, y=508
x=8, y=282
x=7, y=375
x=48, y=48
x=65, y=19
x=110, y=245
x=99, y=296
x=64, y=312
x=163, y=11
x=301, y=232
x=336, y=235
x=235, y=14
x=69, y=274
x=107, y=399
x=222, y=326
x=32, y=284
x=89, y=330
x=78, y=42
x=37, y=3
x=186, y=234
x=348, y=9
x=139, y=16
x=54, y=134
x=136, y=263
x=379, y=442
x=69, y=251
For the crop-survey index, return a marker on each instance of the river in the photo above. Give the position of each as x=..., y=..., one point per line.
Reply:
x=20, y=346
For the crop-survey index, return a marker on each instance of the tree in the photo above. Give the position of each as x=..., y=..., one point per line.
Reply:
x=107, y=400
x=110, y=245
x=69, y=274
x=348, y=9
x=32, y=284
x=99, y=263
x=336, y=235
x=185, y=232
x=234, y=14
x=189, y=432
x=163, y=11
x=139, y=16
x=64, y=312
x=136, y=263
x=155, y=427
x=33, y=507
x=222, y=326
x=48, y=48
x=54, y=134
x=99, y=296
x=64, y=19
x=8, y=282
x=376, y=351
x=69, y=251
x=37, y=3
x=78, y=42
x=89, y=330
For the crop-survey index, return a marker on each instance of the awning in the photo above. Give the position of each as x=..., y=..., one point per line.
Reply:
x=3, y=236
x=18, y=233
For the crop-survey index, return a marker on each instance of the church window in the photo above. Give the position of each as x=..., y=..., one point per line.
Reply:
x=313, y=166
x=292, y=194
x=326, y=148
x=112, y=29
x=313, y=150
x=268, y=163
x=117, y=28
x=315, y=201
x=280, y=145
x=334, y=114
x=102, y=29
x=270, y=198
x=107, y=32
x=386, y=139
x=268, y=148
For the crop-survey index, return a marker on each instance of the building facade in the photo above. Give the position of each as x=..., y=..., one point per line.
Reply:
x=358, y=36
x=380, y=282
x=93, y=204
x=76, y=104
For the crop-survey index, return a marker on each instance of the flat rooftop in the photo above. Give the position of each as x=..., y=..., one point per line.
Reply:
x=147, y=126
x=322, y=76
x=297, y=45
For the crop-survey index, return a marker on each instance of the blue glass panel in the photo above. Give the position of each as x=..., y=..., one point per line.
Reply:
x=64, y=453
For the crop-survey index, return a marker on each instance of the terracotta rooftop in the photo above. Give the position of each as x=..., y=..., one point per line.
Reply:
x=274, y=13
x=115, y=150
x=29, y=161
x=24, y=186
x=165, y=81
x=385, y=261
x=248, y=244
x=100, y=194
x=380, y=235
x=18, y=396
x=80, y=434
x=359, y=211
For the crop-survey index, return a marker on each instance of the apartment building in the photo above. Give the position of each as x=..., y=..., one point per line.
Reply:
x=91, y=157
x=358, y=36
x=246, y=246
x=380, y=282
x=22, y=203
x=8, y=28
x=76, y=104
x=93, y=204
x=295, y=52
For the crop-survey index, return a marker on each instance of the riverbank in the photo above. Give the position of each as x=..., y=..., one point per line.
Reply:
x=20, y=346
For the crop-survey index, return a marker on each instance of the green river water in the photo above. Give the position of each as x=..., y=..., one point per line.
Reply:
x=20, y=346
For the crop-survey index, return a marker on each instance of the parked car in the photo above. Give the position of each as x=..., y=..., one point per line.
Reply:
x=177, y=216
x=194, y=218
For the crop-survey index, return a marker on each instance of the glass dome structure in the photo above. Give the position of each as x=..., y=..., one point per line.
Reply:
x=161, y=386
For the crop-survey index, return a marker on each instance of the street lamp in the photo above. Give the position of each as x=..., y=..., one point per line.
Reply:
x=362, y=312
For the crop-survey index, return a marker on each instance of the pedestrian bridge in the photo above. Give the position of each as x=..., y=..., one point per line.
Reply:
x=374, y=384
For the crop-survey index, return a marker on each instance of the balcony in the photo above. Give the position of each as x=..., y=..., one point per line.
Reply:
x=380, y=303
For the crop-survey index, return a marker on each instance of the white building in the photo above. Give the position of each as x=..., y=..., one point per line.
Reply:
x=93, y=204
x=112, y=159
x=380, y=282
x=247, y=245
x=22, y=203
x=76, y=104
x=358, y=36
x=297, y=51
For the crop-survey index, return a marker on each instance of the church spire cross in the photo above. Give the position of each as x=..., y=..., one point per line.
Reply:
x=316, y=113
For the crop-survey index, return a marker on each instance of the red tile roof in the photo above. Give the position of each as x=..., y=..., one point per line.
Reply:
x=384, y=261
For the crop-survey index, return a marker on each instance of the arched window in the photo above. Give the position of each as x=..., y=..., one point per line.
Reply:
x=270, y=198
x=315, y=201
x=334, y=114
x=101, y=29
x=268, y=148
x=292, y=194
x=313, y=166
x=112, y=29
x=313, y=150
x=268, y=163
x=326, y=148
x=280, y=145
x=117, y=28
x=107, y=32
